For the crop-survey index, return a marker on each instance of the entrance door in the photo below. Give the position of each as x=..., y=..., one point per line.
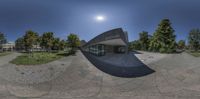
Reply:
x=119, y=49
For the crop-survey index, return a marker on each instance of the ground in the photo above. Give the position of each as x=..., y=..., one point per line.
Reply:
x=36, y=58
x=195, y=53
x=176, y=77
x=4, y=53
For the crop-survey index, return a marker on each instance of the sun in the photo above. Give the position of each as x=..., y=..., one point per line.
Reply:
x=100, y=18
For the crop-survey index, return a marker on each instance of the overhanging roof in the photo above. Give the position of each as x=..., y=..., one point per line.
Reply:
x=113, y=42
x=112, y=37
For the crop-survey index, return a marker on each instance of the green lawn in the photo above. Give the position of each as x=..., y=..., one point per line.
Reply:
x=37, y=58
x=195, y=53
x=4, y=53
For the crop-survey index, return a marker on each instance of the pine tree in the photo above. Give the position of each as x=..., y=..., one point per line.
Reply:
x=144, y=40
x=163, y=39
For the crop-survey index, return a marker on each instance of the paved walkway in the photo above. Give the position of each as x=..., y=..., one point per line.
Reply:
x=176, y=77
x=5, y=59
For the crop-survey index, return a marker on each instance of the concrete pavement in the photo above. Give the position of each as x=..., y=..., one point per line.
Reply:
x=177, y=76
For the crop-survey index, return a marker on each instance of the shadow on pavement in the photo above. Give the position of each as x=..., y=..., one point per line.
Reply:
x=136, y=52
x=120, y=71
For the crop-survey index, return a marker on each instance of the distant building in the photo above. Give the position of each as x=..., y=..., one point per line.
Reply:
x=37, y=47
x=113, y=41
x=10, y=46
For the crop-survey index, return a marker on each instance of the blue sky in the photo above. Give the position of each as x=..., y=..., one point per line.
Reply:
x=77, y=16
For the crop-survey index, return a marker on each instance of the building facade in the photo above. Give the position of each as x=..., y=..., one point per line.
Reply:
x=10, y=46
x=113, y=41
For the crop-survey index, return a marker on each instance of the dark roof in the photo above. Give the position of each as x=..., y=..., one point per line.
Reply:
x=108, y=35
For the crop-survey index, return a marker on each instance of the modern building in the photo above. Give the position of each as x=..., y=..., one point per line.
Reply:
x=10, y=46
x=113, y=41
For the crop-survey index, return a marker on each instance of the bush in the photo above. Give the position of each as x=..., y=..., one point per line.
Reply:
x=162, y=50
x=170, y=50
x=72, y=52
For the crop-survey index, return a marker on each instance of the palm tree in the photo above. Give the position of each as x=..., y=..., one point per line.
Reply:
x=73, y=42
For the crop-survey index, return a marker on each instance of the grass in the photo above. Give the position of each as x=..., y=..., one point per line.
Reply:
x=4, y=53
x=37, y=58
x=195, y=53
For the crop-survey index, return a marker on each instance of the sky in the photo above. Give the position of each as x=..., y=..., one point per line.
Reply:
x=78, y=16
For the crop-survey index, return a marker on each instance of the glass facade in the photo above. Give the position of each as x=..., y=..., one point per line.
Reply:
x=98, y=50
x=113, y=41
x=101, y=49
x=119, y=49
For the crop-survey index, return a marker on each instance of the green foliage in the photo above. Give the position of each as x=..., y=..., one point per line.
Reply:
x=59, y=44
x=37, y=58
x=4, y=53
x=163, y=39
x=56, y=43
x=144, y=40
x=194, y=39
x=20, y=43
x=162, y=50
x=2, y=38
x=194, y=53
x=30, y=39
x=142, y=43
x=47, y=40
x=62, y=44
x=73, y=42
x=181, y=44
x=135, y=45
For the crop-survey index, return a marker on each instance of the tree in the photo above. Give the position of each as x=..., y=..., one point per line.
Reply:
x=181, y=44
x=47, y=40
x=144, y=40
x=73, y=42
x=2, y=38
x=56, y=43
x=20, y=44
x=194, y=39
x=135, y=45
x=30, y=39
x=163, y=39
x=62, y=45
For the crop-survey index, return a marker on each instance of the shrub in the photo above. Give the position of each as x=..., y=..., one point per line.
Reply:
x=162, y=50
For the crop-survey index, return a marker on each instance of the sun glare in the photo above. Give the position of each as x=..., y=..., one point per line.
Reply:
x=100, y=18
